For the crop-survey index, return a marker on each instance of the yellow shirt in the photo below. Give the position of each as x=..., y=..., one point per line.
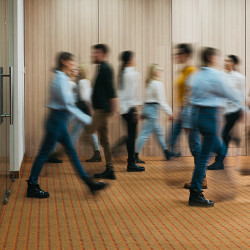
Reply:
x=182, y=88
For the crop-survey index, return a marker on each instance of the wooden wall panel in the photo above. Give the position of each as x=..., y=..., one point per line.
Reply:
x=144, y=26
x=50, y=27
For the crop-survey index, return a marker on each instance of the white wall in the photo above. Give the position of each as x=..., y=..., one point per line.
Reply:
x=18, y=129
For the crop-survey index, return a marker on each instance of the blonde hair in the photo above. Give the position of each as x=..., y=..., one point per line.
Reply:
x=83, y=71
x=151, y=72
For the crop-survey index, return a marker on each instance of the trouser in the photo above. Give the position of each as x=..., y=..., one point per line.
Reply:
x=131, y=123
x=207, y=125
x=56, y=131
x=76, y=130
x=231, y=119
x=100, y=124
x=150, y=126
x=193, y=138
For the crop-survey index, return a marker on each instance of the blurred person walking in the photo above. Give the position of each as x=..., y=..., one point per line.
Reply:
x=232, y=113
x=154, y=100
x=62, y=106
x=208, y=90
x=129, y=97
x=104, y=102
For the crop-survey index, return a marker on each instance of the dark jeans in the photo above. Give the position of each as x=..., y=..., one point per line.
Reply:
x=131, y=122
x=56, y=131
x=193, y=139
x=207, y=125
x=231, y=119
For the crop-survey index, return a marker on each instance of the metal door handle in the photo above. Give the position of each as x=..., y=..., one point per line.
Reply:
x=11, y=77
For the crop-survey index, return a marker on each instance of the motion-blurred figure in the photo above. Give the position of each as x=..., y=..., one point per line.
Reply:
x=84, y=92
x=208, y=91
x=232, y=113
x=62, y=105
x=154, y=100
x=183, y=56
x=129, y=97
x=104, y=102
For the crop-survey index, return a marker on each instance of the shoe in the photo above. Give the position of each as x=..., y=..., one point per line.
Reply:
x=203, y=186
x=35, y=191
x=177, y=154
x=96, y=157
x=169, y=154
x=138, y=160
x=95, y=186
x=197, y=199
x=216, y=166
x=53, y=159
x=133, y=167
x=109, y=173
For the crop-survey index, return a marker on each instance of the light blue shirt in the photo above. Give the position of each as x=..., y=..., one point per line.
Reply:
x=209, y=89
x=62, y=97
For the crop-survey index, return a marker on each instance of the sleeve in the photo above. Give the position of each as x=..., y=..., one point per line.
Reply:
x=109, y=82
x=68, y=98
x=85, y=90
x=222, y=90
x=160, y=93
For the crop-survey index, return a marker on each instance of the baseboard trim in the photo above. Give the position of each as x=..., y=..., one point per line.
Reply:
x=17, y=174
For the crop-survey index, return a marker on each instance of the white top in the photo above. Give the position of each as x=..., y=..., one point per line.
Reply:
x=130, y=91
x=155, y=92
x=85, y=90
x=73, y=88
x=237, y=86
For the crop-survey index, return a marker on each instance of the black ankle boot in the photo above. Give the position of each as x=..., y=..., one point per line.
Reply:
x=53, y=159
x=169, y=154
x=138, y=160
x=217, y=165
x=96, y=157
x=196, y=198
x=35, y=191
x=109, y=173
x=95, y=186
x=133, y=167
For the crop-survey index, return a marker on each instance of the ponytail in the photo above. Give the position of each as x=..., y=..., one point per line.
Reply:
x=126, y=56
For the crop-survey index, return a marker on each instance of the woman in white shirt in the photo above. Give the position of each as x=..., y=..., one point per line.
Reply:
x=128, y=92
x=84, y=91
x=154, y=99
x=232, y=113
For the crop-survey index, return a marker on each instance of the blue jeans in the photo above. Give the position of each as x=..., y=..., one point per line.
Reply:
x=76, y=130
x=150, y=126
x=207, y=125
x=56, y=131
x=193, y=137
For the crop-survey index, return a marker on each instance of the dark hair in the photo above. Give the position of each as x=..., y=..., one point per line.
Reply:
x=207, y=53
x=184, y=48
x=63, y=56
x=125, y=57
x=234, y=58
x=103, y=47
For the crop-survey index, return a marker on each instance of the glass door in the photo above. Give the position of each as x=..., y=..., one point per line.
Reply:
x=6, y=94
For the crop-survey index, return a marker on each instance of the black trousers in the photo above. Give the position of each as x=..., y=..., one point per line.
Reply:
x=131, y=122
x=231, y=119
